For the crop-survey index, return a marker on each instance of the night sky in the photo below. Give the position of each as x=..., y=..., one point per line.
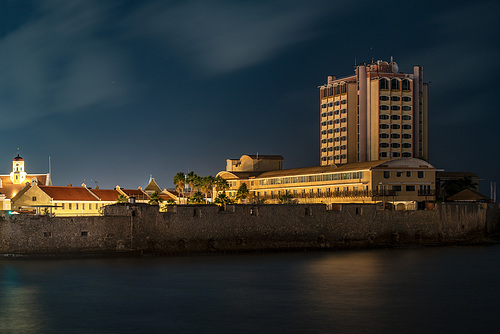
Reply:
x=116, y=91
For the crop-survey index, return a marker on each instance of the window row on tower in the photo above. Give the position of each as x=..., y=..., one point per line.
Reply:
x=331, y=140
x=342, y=129
x=395, y=126
x=336, y=112
x=395, y=108
x=395, y=135
x=395, y=145
x=395, y=84
x=395, y=154
x=335, y=89
x=336, y=157
x=395, y=117
x=331, y=104
x=337, y=121
x=395, y=98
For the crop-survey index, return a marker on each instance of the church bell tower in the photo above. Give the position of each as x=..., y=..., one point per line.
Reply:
x=18, y=174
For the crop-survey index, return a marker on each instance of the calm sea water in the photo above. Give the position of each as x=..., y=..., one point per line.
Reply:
x=428, y=290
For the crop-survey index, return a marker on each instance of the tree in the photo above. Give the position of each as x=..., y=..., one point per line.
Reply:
x=452, y=187
x=122, y=199
x=222, y=200
x=192, y=180
x=242, y=192
x=221, y=184
x=286, y=198
x=170, y=202
x=196, y=198
x=207, y=184
x=155, y=199
x=180, y=182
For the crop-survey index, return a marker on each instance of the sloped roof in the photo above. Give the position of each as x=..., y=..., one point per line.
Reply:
x=455, y=175
x=10, y=189
x=60, y=193
x=468, y=195
x=152, y=186
x=106, y=194
x=137, y=193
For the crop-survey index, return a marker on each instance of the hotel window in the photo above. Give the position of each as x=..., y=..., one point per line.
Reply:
x=330, y=140
x=343, y=138
x=343, y=156
x=344, y=88
x=337, y=130
x=337, y=121
x=323, y=114
x=346, y=189
x=343, y=111
x=395, y=154
x=395, y=84
x=337, y=138
x=323, y=149
x=330, y=149
x=395, y=145
x=343, y=102
x=395, y=135
x=384, y=135
x=337, y=148
x=337, y=103
x=420, y=174
x=384, y=116
x=343, y=147
x=323, y=132
x=384, y=126
x=395, y=117
x=406, y=84
x=406, y=98
x=323, y=123
x=323, y=141
x=406, y=117
x=384, y=98
x=396, y=188
x=406, y=126
x=406, y=136
x=323, y=105
x=330, y=104
x=337, y=157
x=410, y=188
x=330, y=131
x=343, y=120
x=330, y=157
x=337, y=90
x=406, y=108
x=325, y=92
x=330, y=122
x=383, y=154
x=395, y=126
x=337, y=112
x=406, y=154
x=395, y=108
x=395, y=98
x=406, y=145
x=343, y=129
x=323, y=159
x=384, y=145
x=399, y=173
x=408, y=173
x=330, y=113
x=384, y=107
x=384, y=84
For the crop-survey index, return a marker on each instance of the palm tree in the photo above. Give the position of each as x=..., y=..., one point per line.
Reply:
x=207, y=183
x=180, y=182
x=155, y=199
x=122, y=199
x=221, y=184
x=192, y=180
x=242, y=192
x=196, y=198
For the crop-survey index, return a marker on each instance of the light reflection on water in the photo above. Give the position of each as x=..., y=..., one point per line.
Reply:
x=452, y=289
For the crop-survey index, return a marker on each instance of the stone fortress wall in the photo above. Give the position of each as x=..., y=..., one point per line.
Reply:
x=204, y=228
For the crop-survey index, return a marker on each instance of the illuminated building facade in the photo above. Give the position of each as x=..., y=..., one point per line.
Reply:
x=376, y=114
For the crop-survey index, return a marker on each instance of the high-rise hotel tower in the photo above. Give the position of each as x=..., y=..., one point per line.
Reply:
x=378, y=113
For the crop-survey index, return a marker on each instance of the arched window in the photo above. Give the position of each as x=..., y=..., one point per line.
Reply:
x=337, y=90
x=406, y=84
x=344, y=88
x=384, y=83
x=395, y=84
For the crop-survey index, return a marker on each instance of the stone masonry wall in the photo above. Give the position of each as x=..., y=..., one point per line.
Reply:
x=204, y=228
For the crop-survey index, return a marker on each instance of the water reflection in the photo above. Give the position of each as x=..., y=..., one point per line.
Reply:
x=19, y=311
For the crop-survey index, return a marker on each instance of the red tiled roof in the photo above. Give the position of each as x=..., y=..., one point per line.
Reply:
x=106, y=194
x=138, y=194
x=59, y=193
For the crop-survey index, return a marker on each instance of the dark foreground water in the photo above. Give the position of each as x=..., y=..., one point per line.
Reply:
x=436, y=290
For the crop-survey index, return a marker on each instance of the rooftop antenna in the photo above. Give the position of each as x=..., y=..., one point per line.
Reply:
x=257, y=155
x=50, y=167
